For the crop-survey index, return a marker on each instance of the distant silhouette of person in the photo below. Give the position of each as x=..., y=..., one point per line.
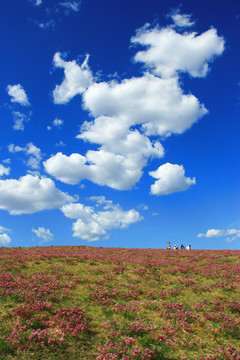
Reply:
x=168, y=245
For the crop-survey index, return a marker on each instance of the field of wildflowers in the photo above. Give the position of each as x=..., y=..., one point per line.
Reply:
x=107, y=303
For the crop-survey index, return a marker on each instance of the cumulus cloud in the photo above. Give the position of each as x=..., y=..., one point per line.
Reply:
x=118, y=171
x=171, y=179
x=158, y=104
x=5, y=239
x=230, y=234
x=32, y=151
x=212, y=233
x=19, y=120
x=18, y=94
x=169, y=52
x=31, y=194
x=43, y=234
x=4, y=170
x=130, y=114
x=91, y=225
x=76, y=79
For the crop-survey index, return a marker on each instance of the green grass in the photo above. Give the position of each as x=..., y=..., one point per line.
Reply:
x=154, y=304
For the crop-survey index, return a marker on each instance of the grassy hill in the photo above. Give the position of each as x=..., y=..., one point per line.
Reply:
x=107, y=303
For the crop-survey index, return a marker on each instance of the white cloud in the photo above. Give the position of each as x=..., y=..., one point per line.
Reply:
x=4, y=239
x=212, y=233
x=45, y=25
x=169, y=52
x=158, y=104
x=36, y=2
x=171, y=179
x=72, y=5
x=129, y=113
x=4, y=170
x=92, y=225
x=43, y=234
x=231, y=234
x=34, y=153
x=19, y=120
x=60, y=144
x=31, y=194
x=142, y=207
x=77, y=79
x=101, y=167
x=58, y=122
x=6, y=161
x=18, y=94
x=74, y=166
x=3, y=229
x=181, y=20
x=101, y=201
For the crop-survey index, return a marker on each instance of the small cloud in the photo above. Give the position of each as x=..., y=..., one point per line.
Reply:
x=57, y=122
x=170, y=179
x=231, y=234
x=212, y=233
x=7, y=161
x=3, y=229
x=18, y=94
x=60, y=144
x=43, y=234
x=4, y=239
x=19, y=120
x=101, y=201
x=36, y=2
x=181, y=20
x=92, y=225
x=77, y=79
x=72, y=5
x=32, y=151
x=142, y=207
x=50, y=24
x=4, y=170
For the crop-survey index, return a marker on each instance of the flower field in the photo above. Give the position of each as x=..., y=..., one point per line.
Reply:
x=110, y=303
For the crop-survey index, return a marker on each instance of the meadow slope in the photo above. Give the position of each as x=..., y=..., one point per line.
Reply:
x=113, y=303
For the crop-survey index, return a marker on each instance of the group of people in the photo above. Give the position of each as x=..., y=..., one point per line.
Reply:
x=175, y=247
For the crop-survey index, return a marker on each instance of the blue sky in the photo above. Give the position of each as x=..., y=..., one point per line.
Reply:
x=119, y=123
